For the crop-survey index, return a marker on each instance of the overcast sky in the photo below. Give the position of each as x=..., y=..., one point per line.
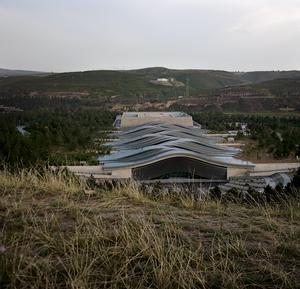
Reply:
x=69, y=35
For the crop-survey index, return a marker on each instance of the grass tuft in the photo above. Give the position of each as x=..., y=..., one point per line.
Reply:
x=54, y=235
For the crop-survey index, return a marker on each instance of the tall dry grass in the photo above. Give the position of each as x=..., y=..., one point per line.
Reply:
x=62, y=239
x=45, y=179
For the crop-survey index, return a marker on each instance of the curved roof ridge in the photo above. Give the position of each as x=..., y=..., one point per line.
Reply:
x=164, y=154
x=161, y=148
x=141, y=139
x=157, y=141
x=190, y=144
x=151, y=139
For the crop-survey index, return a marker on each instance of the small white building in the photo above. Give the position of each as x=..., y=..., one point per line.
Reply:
x=162, y=79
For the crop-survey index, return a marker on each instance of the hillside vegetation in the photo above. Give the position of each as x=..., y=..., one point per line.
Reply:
x=208, y=90
x=267, y=137
x=127, y=83
x=282, y=87
x=59, y=233
x=262, y=76
x=78, y=136
x=54, y=137
x=135, y=82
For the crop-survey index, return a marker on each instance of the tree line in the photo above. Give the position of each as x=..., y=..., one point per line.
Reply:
x=54, y=136
x=275, y=135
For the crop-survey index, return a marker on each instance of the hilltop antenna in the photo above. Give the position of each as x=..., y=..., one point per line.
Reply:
x=187, y=87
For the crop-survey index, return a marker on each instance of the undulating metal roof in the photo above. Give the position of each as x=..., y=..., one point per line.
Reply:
x=153, y=142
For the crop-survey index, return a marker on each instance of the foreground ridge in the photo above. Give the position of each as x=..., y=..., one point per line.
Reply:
x=60, y=232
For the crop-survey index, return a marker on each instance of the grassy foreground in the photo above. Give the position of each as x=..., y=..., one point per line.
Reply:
x=58, y=233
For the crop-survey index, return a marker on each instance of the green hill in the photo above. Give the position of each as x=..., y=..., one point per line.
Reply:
x=106, y=82
x=262, y=76
x=198, y=79
x=101, y=85
x=281, y=87
x=126, y=83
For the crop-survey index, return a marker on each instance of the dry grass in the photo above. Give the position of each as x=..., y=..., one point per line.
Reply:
x=56, y=234
x=41, y=179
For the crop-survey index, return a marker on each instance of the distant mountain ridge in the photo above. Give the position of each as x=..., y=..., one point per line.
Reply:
x=262, y=76
x=211, y=90
x=12, y=72
x=138, y=82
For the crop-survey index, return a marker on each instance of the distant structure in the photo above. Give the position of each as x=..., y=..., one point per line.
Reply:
x=171, y=81
x=187, y=87
x=170, y=148
x=131, y=119
x=166, y=145
x=162, y=79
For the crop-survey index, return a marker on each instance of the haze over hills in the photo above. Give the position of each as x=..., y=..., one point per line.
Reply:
x=12, y=72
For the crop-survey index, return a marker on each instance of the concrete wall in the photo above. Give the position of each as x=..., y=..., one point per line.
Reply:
x=123, y=173
x=85, y=169
x=263, y=169
x=267, y=169
x=99, y=173
x=135, y=121
x=235, y=172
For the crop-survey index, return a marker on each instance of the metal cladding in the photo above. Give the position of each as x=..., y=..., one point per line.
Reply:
x=154, y=142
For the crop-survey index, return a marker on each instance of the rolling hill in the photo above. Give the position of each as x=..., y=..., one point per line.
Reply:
x=112, y=87
x=281, y=87
x=11, y=72
x=262, y=76
x=127, y=84
x=130, y=82
x=126, y=81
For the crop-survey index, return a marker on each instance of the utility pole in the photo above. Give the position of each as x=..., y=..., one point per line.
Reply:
x=187, y=87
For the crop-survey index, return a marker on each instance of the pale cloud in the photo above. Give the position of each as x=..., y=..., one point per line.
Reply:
x=63, y=35
x=269, y=18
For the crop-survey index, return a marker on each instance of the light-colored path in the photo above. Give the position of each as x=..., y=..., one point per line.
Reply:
x=266, y=169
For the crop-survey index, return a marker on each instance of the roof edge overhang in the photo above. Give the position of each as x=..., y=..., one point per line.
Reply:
x=217, y=162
